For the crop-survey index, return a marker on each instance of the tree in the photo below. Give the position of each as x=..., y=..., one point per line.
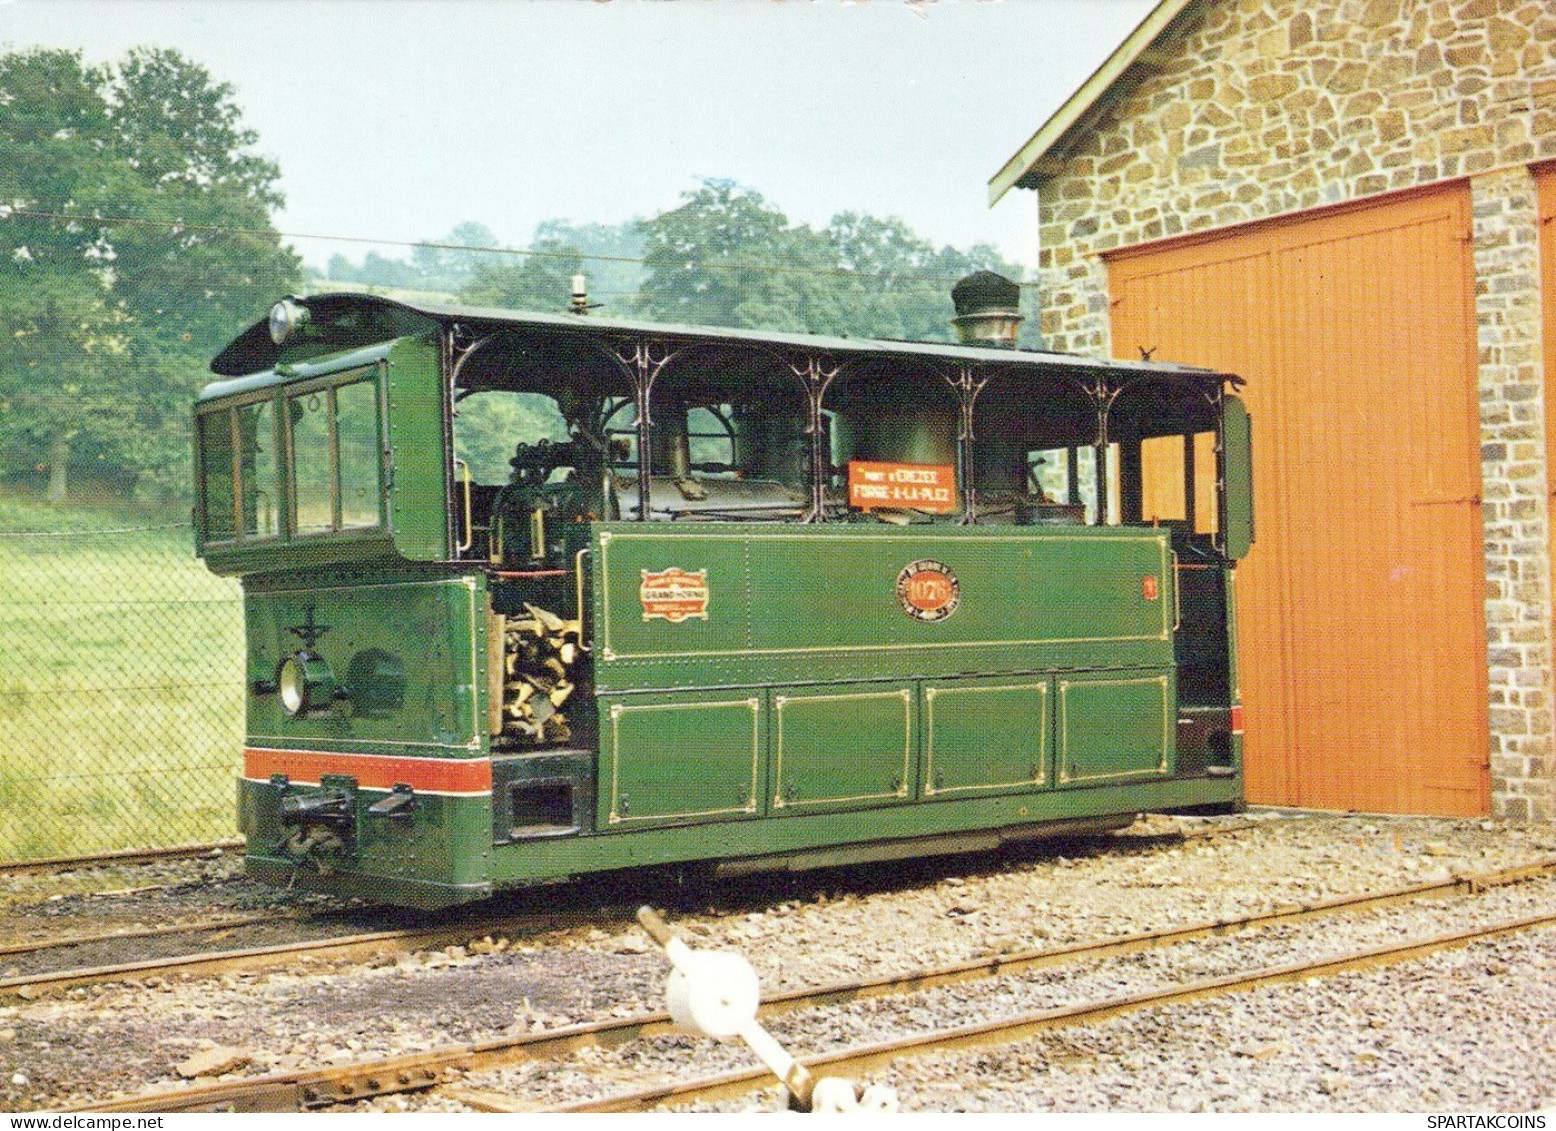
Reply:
x=58, y=321
x=610, y=254
x=888, y=290
x=727, y=257
x=140, y=243
x=191, y=282
x=444, y=265
x=899, y=285
x=451, y=267
x=603, y=253
x=62, y=352
x=537, y=282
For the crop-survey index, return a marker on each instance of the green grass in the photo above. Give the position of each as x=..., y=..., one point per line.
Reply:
x=121, y=683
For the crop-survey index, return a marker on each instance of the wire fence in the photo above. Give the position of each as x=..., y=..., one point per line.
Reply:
x=121, y=692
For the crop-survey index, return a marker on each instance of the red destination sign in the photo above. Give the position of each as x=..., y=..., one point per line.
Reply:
x=908, y=486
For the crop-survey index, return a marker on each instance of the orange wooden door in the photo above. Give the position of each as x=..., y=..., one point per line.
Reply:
x=1361, y=609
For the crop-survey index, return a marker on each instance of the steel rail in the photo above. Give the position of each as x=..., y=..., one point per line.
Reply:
x=365, y=944
x=342, y=947
x=854, y=1062
x=108, y=859
x=298, y=1090
x=11, y=949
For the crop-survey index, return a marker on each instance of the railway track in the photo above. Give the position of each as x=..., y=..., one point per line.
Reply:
x=346, y=947
x=857, y=1061
x=91, y=938
x=353, y=947
x=441, y=1068
x=107, y=859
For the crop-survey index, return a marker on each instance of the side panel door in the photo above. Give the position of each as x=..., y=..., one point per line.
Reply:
x=985, y=736
x=843, y=747
x=1115, y=726
x=680, y=757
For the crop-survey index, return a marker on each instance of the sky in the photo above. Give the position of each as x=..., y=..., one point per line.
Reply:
x=398, y=119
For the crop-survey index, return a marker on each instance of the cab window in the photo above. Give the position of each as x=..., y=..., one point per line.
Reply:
x=215, y=434
x=336, y=458
x=357, y=446
x=312, y=474
x=1178, y=481
x=239, y=497
x=258, y=470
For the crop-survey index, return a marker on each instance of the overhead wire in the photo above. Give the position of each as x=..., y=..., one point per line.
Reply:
x=7, y=211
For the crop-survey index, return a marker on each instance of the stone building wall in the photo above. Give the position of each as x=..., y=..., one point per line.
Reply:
x=1513, y=492
x=1268, y=107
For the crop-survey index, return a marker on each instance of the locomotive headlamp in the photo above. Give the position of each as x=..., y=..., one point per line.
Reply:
x=286, y=318
x=306, y=684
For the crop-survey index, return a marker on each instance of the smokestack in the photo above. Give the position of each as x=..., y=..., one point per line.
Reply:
x=987, y=310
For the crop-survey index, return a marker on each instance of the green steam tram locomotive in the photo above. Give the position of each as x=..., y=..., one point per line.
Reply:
x=529, y=596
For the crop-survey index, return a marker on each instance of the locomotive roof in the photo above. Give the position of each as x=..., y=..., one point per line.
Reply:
x=369, y=319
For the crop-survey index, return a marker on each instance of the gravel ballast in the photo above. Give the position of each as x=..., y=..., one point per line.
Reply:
x=1468, y=1029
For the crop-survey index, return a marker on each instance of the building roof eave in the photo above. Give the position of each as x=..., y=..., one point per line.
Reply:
x=1026, y=168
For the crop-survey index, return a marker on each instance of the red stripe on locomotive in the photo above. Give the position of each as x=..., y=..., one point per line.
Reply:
x=372, y=771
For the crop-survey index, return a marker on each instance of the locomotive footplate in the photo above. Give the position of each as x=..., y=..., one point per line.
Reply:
x=547, y=793
x=1205, y=741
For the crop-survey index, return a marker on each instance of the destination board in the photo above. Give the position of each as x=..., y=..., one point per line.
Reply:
x=912, y=486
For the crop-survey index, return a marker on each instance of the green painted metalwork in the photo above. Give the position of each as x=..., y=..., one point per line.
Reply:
x=985, y=736
x=1237, y=470
x=790, y=603
x=416, y=456
x=681, y=757
x=297, y=517
x=1112, y=726
x=269, y=378
x=536, y=860
x=833, y=688
x=407, y=654
x=409, y=392
x=844, y=746
x=439, y=858
x=454, y=862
